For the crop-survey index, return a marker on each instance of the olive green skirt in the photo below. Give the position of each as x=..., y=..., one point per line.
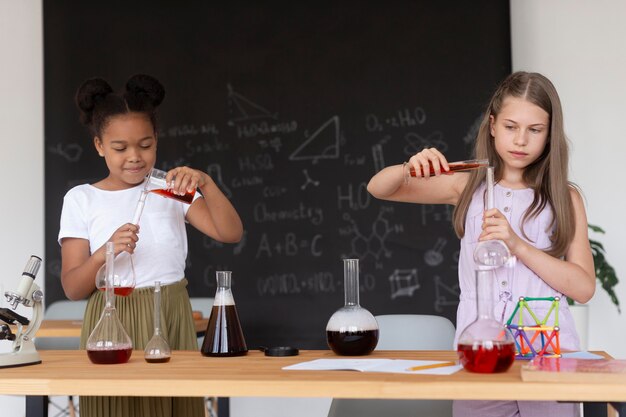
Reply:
x=136, y=314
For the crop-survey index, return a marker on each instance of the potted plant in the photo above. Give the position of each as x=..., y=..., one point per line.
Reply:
x=605, y=273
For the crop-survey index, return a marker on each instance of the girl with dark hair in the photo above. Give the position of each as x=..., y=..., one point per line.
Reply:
x=123, y=126
x=539, y=214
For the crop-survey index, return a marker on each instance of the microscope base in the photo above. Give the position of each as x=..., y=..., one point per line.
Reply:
x=11, y=360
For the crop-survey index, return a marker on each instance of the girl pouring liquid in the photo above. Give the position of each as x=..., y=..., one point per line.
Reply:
x=123, y=127
x=538, y=214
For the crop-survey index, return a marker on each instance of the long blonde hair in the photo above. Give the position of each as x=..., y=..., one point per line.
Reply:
x=547, y=176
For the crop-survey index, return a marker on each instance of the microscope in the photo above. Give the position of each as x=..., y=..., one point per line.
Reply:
x=29, y=294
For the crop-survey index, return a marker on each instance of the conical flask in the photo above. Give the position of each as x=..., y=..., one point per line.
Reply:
x=157, y=350
x=109, y=343
x=352, y=330
x=223, y=336
x=124, y=278
x=486, y=346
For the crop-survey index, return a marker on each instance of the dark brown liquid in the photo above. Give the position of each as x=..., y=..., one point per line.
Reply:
x=352, y=343
x=158, y=360
x=453, y=168
x=186, y=198
x=109, y=356
x=224, y=336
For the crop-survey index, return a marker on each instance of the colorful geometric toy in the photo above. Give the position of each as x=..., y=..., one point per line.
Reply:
x=525, y=335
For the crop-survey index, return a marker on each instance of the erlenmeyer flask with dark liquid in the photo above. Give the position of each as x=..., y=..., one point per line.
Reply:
x=352, y=330
x=485, y=346
x=108, y=342
x=224, y=336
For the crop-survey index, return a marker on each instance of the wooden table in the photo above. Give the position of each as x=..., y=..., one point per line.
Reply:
x=71, y=328
x=191, y=374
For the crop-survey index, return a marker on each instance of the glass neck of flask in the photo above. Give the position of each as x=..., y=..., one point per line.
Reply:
x=108, y=272
x=157, y=307
x=484, y=294
x=223, y=295
x=351, y=281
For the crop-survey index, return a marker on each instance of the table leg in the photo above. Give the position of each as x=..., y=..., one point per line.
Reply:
x=223, y=407
x=36, y=406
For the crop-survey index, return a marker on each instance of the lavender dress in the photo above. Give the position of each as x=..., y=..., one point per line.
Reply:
x=511, y=283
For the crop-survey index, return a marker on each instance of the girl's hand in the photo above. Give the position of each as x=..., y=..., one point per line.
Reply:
x=184, y=180
x=426, y=161
x=124, y=239
x=496, y=226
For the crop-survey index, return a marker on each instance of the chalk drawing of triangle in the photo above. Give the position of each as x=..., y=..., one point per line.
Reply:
x=322, y=144
x=246, y=109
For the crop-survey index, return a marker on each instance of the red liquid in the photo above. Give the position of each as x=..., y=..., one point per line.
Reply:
x=187, y=198
x=487, y=361
x=123, y=291
x=453, y=168
x=224, y=336
x=109, y=356
x=352, y=343
x=158, y=360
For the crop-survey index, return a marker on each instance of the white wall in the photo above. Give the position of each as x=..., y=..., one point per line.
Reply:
x=579, y=45
x=21, y=149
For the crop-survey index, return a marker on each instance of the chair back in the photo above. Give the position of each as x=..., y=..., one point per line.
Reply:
x=414, y=332
x=62, y=310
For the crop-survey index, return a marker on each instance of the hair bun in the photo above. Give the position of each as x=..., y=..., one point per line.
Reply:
x=89, y=94
x=142, y=85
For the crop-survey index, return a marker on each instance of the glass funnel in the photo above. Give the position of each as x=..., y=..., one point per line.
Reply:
x=352, y=330
x=124, y=277
x=486, y=346
x=108, y=342
x=157, y=350
x=491, y=253
x=224, y=336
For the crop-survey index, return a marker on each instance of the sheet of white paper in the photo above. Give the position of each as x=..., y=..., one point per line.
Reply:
x=401, y=366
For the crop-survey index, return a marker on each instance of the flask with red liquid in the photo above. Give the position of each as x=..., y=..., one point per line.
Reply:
x=352, y=330
x=157, y=184
x=486, y=346
x=224, y=336
x=124, y=277
x=108, y=342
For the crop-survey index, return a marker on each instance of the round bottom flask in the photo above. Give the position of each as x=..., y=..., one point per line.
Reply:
x=485, y=346
x=352, y=330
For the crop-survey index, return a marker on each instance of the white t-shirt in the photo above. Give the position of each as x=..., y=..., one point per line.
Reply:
x=94, y=214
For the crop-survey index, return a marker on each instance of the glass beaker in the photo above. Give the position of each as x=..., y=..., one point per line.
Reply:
x=352, y=330
x=485, y=346
x=224, y=336
x=157, y=350
x=157, y=184
x=491, y=253
x=108, y=342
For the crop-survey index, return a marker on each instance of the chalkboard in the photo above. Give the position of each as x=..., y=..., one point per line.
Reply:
x=291, y=108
